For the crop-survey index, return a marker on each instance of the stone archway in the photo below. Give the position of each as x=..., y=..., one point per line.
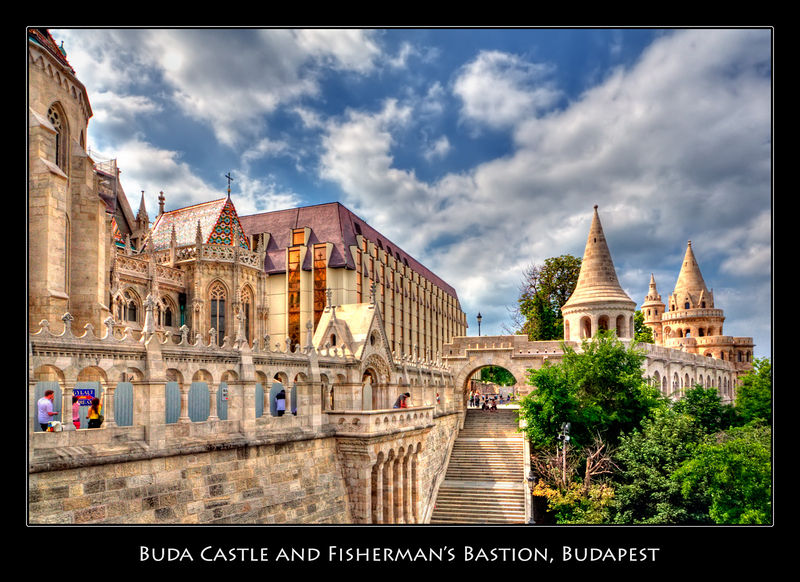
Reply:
x=375, y=380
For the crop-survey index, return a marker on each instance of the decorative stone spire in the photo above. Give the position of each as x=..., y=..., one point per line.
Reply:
x=652, y=293
x=598, y=278
x=141, y=216
x=653, y=310
x=690, y=285
x=161, y=200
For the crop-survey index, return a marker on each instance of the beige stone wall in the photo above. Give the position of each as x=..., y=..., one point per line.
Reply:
x=67, y=225
x=291, y=482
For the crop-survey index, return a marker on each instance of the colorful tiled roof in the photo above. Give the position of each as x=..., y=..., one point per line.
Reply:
x=219, y=224
x=119, y=240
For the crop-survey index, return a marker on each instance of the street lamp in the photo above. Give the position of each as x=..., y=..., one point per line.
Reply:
x=479, y=322
x=531, y=486
x=563, y=438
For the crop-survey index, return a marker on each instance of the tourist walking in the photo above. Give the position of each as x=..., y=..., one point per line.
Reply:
x=76, y=412
x=95, y=413
x=45, y=407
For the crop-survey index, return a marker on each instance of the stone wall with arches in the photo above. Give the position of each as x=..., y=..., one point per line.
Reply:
x=199, y=406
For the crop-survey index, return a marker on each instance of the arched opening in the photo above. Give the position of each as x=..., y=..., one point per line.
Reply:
x=277, y=394
x=246, y=308
x=217, y=295
x=490, y=387
x=602, y=323
x=621, y=327
x=586, y=328
x=370, y=397
x=58, y=119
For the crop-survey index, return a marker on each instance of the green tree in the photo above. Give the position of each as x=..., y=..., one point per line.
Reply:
x=646, y=491
x=600, y=391
x=705, y=406
x=497, y=375
x=641, y=333
x=754, y=395
x=544, y=291
x=732, y=476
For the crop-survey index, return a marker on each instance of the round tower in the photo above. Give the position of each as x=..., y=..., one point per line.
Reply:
x=598, y=301
x=692, y=316
x=653, y=309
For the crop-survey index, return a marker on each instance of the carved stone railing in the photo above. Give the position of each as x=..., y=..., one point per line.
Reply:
x=376, y=422
x=691, y=313
x=139, y=267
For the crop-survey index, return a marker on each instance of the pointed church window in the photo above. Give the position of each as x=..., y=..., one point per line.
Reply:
x=217, y=296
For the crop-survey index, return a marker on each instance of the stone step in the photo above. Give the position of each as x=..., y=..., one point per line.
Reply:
x=484, y=478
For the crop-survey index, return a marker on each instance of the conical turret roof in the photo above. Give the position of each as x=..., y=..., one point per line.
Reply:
x=652, y=294
x=690, y=281
x=597, y=281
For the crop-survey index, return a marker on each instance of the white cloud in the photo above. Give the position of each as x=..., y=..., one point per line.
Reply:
x=676, y=147
x=111, y=107
x=148, y=168
x=343, y=49
x=253, y=72
x=438, y=149
x=499, y=89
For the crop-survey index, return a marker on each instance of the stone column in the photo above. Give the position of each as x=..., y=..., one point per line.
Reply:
x=212, y=395
x=243, y=402
x=309, y=402
x=388, y=490
x=416, y=503
x=397, y=506
x=184, y=414
x=377, y=492
x=66, y=405
x=149, y=399
x=108, y=406
x=348, y=396
x=365, y=493
x=407, y=513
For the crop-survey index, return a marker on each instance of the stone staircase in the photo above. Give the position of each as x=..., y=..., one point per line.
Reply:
x=484, y=482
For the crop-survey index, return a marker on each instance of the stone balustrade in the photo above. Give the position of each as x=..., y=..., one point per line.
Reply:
x=384, y=421
x=691, y=313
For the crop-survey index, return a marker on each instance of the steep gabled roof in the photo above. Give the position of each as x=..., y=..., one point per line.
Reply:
x=329, y=223
x=219, y=224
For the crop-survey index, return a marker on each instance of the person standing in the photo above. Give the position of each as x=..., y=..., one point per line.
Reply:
x=280, y=402
x=95, y=414
x=401, y=401
x=76, y=412
x=45, y=406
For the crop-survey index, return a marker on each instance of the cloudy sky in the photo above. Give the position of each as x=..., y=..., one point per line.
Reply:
x=477, y=151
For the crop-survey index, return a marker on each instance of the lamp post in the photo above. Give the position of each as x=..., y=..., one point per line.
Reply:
x=531, y=486
x=479, y=322
x=563, y=437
